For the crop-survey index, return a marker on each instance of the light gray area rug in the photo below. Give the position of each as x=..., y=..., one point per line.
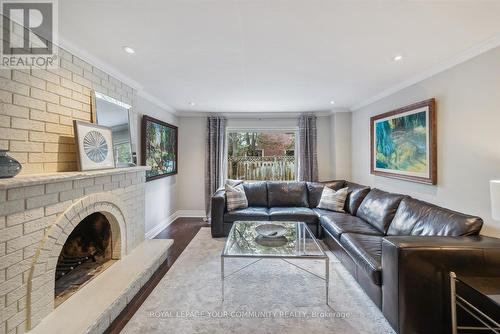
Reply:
x=270, y=296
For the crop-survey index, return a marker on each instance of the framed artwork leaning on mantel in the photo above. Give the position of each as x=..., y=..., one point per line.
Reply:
x=404, y=143
x=159, y=148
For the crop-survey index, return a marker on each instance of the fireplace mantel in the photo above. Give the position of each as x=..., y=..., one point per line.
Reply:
x=36, y=179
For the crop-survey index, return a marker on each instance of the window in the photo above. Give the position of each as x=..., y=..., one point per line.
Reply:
x=261, y=155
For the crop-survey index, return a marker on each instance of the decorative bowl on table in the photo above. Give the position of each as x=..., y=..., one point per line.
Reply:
x=270, y=230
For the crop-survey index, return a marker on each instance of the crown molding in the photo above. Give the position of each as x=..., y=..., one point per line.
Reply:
x=466, y=55
x=117, y=74
x=251, y=115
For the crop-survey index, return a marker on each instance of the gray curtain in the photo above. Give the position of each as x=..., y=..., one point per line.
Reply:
x=308, y=156
x=215, y=157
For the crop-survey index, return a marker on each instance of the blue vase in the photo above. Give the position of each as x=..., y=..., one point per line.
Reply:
x=9, y=167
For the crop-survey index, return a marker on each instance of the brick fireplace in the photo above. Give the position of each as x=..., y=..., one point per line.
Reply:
x=38, y=213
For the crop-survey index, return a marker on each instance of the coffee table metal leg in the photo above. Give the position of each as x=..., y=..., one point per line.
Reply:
x=222, y=276
x=327, y=276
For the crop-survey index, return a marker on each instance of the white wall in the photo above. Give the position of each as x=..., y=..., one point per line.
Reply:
x=191, y=188
x=468, y=119
x=340, y=145
x=161, y=194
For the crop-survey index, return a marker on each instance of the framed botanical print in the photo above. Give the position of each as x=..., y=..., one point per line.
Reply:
x=94, y=145
x=404, y=143
x=159, y=148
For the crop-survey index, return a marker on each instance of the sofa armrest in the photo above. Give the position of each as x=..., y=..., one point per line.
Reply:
x=217, y=209
x=415, y=277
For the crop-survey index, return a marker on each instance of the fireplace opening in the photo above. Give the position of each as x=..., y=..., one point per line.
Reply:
x=86, y=253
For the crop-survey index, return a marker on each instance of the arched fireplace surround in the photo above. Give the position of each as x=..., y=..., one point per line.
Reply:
x=41, y=281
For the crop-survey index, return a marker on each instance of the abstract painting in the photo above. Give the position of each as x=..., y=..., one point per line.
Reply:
x=94, y=146
x=403, y=143
x=159, y=148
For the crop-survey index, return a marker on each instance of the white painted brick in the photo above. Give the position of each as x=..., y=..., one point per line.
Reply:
x=44, y=95
x=17, y=294
x=23, y=192
x=7, y=208
x=7, y=313
x=21, y=123
x=7, y=74
x=58, y=187
x=81, y=80
x=58, y=109
x=70, y=103
x=111, y=186
x=91, y=76
x=28, y=79
x=11, y=284
x=42, y=74
x=71, y=67
x=19, y=268
x=117, y=177
x=103, y=179
x=14, y=87
x=93, y=189
x=62, y=72
x=24, y=216
x=83, y=64
x=59, y=90
x=67, y=83
x=10, y=259
x=70, y=194
x=57, y=208
x=29, y=102
x=16, y=320
x=83, y=183
x=14, y=134
x=26, y=240
x=38, y=201
x=39, y=224
x=13, y=110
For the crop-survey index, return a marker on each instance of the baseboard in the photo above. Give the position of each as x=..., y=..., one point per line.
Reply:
x=191, y=213
x=153, y=232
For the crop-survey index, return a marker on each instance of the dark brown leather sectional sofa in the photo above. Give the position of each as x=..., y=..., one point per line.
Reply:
x=399, y=249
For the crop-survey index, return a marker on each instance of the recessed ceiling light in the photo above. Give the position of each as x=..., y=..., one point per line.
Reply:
x=192, y=104
x=128, y=49
x=332, y=102
x=397, y=58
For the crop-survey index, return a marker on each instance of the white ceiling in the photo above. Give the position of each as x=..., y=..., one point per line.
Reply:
x=274, y=55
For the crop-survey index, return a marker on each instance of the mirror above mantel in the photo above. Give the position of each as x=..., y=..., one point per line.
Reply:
x=115, y=114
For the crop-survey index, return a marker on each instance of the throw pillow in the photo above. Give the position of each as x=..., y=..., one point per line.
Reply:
x=236, y=197
x=333, y=200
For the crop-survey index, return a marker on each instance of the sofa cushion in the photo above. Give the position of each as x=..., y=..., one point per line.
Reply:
x=366, y=252
x=415, y=217
x=250, y=213
x=333, y=200
x=256, y=193
x=291, y=194
x=337, y=223
x=356, y=194
x=315, y=189
x=378, y=208
x=235, y=197
x=299, y=214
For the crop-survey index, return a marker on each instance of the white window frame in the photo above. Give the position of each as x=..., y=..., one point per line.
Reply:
x=294, y=129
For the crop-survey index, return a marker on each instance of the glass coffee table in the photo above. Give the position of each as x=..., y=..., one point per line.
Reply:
x=298, y=242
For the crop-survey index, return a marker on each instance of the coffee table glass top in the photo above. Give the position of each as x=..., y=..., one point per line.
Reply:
x=298, y=241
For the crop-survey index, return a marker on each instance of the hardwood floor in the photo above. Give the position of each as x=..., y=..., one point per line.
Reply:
x=182, y=231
